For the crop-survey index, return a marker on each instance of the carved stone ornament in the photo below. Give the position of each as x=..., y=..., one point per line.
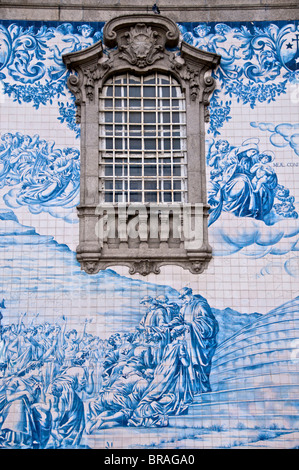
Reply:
x=144, y=267
x=197, y=267
x=90, y=267
x=141, y=45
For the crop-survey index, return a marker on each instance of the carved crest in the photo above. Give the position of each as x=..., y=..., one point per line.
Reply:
x=141, y=46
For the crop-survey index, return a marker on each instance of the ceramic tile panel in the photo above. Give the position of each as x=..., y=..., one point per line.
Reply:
x=169, y=361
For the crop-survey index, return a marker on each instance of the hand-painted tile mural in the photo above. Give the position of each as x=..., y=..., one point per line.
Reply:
x=168, y=361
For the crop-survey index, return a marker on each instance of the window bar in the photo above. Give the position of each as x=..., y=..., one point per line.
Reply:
x=157, y=138
x=113, y=139
x=142, y=140
x=171, y=141
x=127, y=162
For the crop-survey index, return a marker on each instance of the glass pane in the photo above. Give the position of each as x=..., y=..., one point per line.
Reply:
x=135, y=92
x=175, y=117
x=118, y=170
x=167, y=170
x=108, y=117
x=118, y=184
x=149, y=103
x=119, y=197
x=108, y=103
x=109, y=144
x=109, y=90
x=135, y=103
x=109, y=184
x=149, y=92
x=135, y=170
x=150, y=170
x=149, y=118
x=135, y=144
x=176, y=170
x=108, y=130
x=136, y=184
x=108, y=197
x=119, y=103
x=165, y=131
x=177, y=92
x=150, y=80
x=108, y=170
x=135, y=131
x=134, y=80
x=135, y=197
x=167, y=144
x=165, y=92
x=176, y=144
x=120, y=117
x=151, y=184
x=120, y=144
x=166, y=117
x=149, y=129
x=135, y=117
x=150, y=144
x=150, y=197
x=120, y=91
x=121, y=80
x=119, y=129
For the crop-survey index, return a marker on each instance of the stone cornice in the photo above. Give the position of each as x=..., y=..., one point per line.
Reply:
x=163, y=4
x=178, y=11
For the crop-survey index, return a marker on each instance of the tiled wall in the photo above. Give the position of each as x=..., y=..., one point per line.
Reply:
x=251, y=285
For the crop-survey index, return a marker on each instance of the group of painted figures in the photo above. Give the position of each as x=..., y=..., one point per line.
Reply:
x=244, y=182
x=57, y=384
x=44, y=174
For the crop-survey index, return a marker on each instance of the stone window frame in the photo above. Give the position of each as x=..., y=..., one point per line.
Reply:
x=140, y=45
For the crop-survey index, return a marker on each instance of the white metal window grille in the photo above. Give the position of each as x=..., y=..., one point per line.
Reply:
x=142, y=140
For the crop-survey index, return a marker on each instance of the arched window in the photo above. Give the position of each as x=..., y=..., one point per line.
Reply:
x=142, y=103
x=143, y=140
